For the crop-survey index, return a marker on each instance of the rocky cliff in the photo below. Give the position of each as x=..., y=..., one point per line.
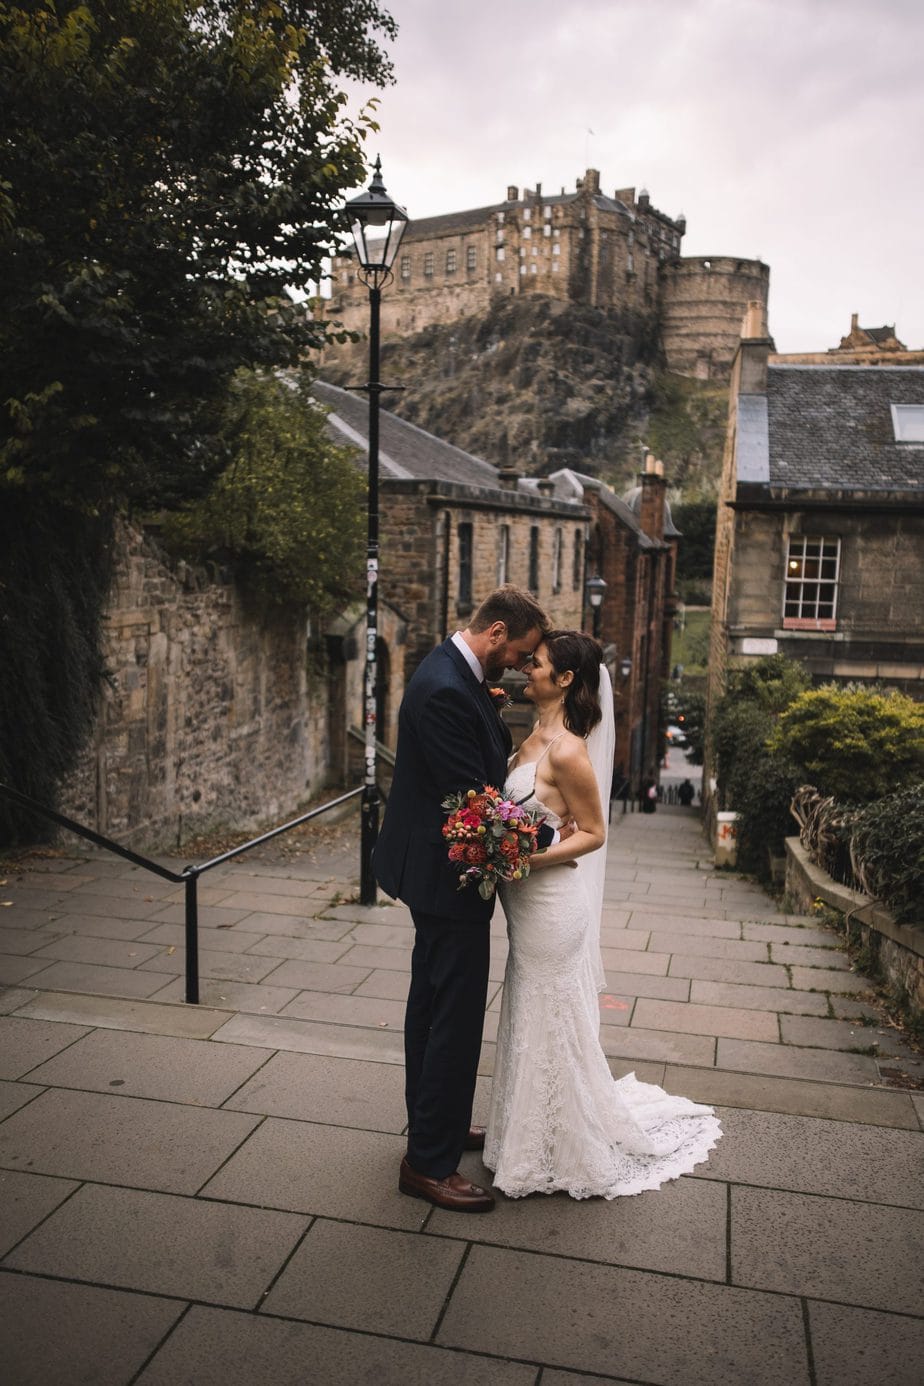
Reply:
x=538, y=384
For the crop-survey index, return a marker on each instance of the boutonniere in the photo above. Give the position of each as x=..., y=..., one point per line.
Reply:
x=500, y=698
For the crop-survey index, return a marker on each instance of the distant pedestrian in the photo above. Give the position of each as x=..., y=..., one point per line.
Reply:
x=649, y=796
x=686, y=793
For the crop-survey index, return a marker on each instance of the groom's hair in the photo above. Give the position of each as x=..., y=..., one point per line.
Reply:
x=519, y=611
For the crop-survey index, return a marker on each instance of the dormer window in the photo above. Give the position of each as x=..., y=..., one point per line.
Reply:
x=908, y=423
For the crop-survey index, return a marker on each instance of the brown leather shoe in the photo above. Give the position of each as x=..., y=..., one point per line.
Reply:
x=475, y=1138
x=454, y=1192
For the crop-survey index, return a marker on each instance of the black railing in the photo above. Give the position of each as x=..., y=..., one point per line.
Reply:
x=188, y=877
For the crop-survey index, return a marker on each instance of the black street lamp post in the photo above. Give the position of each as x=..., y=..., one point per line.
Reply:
x=595, y=588
x=373, y=213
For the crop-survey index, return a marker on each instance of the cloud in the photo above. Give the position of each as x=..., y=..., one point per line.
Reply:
x=785, y=128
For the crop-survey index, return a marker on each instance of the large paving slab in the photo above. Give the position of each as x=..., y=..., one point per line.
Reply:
x=25, y=1201
x=54, y=1333
x=107, y=951
x=659, y=1045
x=844, y=1035
x=98, y=980
x=796, y=1096
x=113, y=1013
x=809, y=1155
x=347, y=1010
x=15, y=1095
x=220, y=993
x=219, y=963
x=122, y=1140
x=789, y=1061
x=777, y=999
x=652, y=1328
x=24, y=941
x=214, y=1347
x=184, y=1247
x=765, y=974
x=335, y=1092
x=871, y=1254
x=854, y=1347
x=314, y=1037
x=370, y=1278
x=18, y=967
x=325, y=1170
x=679, y=1229
x=24, y=1044
x=688, y=1018
x=188, y=1071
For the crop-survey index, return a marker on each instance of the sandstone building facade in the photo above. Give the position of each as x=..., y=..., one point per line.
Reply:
x=453, y=527
x=612, y=251
x=820, y=531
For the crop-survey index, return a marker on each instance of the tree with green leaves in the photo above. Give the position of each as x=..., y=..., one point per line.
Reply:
x=169, y=167
x=289, y=510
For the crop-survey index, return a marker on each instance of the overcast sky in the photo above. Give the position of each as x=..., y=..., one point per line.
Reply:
x=789, y=130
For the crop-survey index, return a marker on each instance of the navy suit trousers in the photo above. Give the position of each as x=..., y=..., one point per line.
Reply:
x=442, y=1037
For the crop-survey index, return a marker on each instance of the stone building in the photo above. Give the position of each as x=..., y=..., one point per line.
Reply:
x=632, y=544
x=820, y=532
x=863, y=346
x=613, y=251
x=453, y=527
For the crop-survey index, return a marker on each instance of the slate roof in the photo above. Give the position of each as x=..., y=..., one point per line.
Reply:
x=830, y=428
x=405, y=451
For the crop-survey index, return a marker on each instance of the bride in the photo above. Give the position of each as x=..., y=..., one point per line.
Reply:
x=558, y=1119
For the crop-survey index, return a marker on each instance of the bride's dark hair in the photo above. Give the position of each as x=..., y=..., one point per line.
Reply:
x=572, y=649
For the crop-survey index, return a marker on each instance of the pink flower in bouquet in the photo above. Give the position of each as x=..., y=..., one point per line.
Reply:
x=492, y=835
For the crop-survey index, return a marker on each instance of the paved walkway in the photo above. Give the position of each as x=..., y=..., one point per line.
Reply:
x=208, y=1195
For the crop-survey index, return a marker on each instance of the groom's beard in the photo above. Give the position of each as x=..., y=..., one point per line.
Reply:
x=494, y=669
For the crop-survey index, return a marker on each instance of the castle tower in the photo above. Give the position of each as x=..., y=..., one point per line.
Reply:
x=703, y=300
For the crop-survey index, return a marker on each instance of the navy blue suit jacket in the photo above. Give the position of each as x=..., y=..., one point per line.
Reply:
x=450, y=739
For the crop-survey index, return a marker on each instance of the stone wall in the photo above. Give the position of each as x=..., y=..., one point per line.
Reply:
x=209, y=716
x=703, y=299
x=897, y=948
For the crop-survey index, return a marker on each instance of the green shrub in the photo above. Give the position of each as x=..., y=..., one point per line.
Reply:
x=855, y=743
x=887, y=844
x=753, y=781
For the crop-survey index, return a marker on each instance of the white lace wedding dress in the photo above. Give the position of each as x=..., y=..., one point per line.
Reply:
x=558, y=1119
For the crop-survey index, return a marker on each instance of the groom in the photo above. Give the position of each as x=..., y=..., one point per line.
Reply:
x=451, y=738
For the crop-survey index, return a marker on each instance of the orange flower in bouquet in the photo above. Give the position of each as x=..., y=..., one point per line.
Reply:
x=491, y=837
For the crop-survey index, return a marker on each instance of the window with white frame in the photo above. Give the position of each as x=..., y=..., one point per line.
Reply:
x=471, y=257
x=405, y=266
x=503, y=554
x=450, y=261
x=908, y=423
x=428, y=264
x=499, y=254
x=810, y=584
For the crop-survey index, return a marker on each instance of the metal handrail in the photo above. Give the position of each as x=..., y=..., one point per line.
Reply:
x=188, y=877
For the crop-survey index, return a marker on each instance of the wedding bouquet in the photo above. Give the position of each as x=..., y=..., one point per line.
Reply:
x=490, y=837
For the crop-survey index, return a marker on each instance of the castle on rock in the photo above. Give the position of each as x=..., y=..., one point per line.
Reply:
x=613, y=251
